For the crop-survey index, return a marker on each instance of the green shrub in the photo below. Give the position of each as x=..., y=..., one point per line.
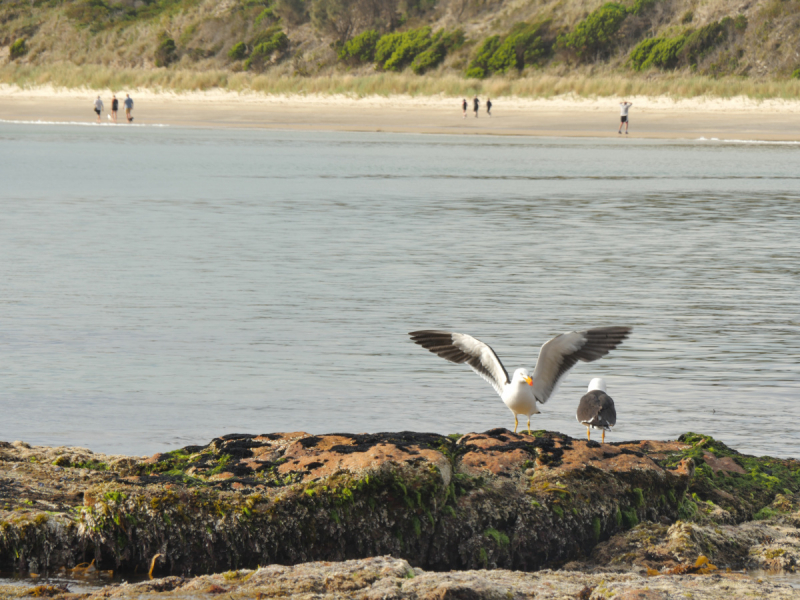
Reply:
x=386, y=46
x=687, y=17
x=688, y=49
x=18, y=49
x=263, y=52
x=641, y=53
x=430, y=58
x=453, y=40
x=796, y=74
x=268, y=14
x=701, y=41
x=522, y=47
x=479, y=66
x=238, y=52
x=666, y=54
x=595, y=36
x=361, y=48
x=410, y=45
x=166, y=52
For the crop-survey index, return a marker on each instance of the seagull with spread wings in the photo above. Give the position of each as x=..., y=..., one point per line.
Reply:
x=521, y=392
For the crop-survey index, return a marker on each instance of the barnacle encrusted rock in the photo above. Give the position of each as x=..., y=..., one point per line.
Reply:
x=482, y=500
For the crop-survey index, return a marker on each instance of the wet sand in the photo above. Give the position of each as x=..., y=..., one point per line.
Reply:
x=734, y=119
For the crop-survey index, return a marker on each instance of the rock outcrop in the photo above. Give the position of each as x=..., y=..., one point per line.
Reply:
x=387, y=578
x=490, y=500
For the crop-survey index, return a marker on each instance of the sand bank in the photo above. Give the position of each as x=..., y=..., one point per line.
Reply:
x=659, y=117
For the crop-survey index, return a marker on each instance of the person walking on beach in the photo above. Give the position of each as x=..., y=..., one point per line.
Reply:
x=476, y=104
x=98, y=108
x=128, y=107
x=464, y=107
x=624, y=106
x=114, y=107
x=489, y=106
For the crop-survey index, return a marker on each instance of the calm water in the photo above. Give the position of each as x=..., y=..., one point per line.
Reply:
x=161, y=287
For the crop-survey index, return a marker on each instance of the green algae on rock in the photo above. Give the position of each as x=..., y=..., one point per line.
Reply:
x=490, y=500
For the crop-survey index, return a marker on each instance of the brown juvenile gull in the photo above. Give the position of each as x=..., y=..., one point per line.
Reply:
x=521, y=392
x=596, y=409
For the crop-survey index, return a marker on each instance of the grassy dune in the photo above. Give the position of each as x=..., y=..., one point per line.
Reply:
x=674, y=85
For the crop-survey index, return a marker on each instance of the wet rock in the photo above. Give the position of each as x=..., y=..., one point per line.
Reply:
x=771, y=545
x=484, y=500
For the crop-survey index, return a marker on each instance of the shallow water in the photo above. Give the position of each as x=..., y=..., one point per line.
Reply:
x=161, y=287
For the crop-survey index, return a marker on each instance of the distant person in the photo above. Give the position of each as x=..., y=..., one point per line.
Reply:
x=624, y=106
x=489, y=106
x=464, y=107
x=128, y=108
x=114, y=108
x=98, y=108
x=476, y=104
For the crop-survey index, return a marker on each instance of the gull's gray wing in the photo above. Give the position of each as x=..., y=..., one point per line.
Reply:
x=560, y=354
x=463, y=348
x=596, y=408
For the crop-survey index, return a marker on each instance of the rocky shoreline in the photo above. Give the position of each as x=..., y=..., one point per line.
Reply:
x=632, y=511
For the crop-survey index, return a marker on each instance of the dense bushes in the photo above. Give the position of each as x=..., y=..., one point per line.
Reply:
x=522, y=47
x=267, y=46
x=419, y=48
x=166, y=52
x=238, y=51
x=595, y=36
x=479, y=66
x=406, y=48
x=687, y=49
x=18, y=49
x=361, y=49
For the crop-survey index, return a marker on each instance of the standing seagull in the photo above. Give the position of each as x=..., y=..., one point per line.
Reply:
x=596, y=409
x=521, y=393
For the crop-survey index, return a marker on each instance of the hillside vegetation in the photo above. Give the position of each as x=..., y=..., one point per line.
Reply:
x=389, y=46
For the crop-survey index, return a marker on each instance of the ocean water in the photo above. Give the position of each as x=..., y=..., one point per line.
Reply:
x=160, y=286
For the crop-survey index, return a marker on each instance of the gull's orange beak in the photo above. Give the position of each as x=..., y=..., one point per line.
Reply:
x=529, y=380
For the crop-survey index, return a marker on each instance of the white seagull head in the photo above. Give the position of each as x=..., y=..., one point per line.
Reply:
x=597, y=384
x=522, y=375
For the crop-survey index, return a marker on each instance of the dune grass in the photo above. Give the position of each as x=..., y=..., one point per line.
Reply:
x=537, y=85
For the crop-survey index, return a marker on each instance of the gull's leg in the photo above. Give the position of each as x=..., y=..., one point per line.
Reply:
x=529, y=425
x=516, y=423
x=588, y=433
x=604, y=436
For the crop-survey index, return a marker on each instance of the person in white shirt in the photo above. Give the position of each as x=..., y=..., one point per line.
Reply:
x=624, y=106
x=98, y=108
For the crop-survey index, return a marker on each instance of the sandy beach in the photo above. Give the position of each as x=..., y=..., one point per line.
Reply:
x=726, y=119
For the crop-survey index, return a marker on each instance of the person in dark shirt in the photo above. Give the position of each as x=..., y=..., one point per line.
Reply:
x=128, y=107
x=489, y=106
x=464, y=107
x=476, y=104
x=114, y=108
